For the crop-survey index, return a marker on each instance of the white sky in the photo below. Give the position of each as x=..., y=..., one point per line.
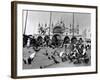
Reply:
x=42, y=17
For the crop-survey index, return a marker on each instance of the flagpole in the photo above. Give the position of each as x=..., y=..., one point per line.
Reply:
x=50, y=22
x=26, y=21
x=73, y=23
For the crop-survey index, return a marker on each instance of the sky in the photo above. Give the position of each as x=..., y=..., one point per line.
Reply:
x=43, y=17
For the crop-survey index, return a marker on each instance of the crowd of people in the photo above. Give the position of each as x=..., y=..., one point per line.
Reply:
x=78, y=47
